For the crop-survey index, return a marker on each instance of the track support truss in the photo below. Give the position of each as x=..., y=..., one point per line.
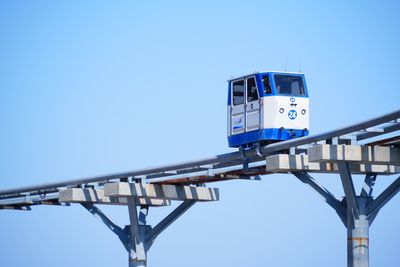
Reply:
x=357, y=212
x=345, y=151
x=138, y=237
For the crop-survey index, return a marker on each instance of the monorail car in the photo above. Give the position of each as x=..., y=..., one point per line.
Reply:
x=266, y=107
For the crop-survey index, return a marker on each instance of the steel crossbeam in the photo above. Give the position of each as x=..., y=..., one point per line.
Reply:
x=167, y=192
x=295, y=163
x=354, y=153
x=97, y=196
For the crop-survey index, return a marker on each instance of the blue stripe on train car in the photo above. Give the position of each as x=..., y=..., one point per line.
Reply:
x=273, y=134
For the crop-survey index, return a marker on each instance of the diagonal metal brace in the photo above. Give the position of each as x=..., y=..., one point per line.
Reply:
x=348, y=188
x=368, y=186
x=167, y=221
x=122, y=234
x=374, y=207
x=329, y=198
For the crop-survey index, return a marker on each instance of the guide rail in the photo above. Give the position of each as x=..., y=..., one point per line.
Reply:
x=243, y=164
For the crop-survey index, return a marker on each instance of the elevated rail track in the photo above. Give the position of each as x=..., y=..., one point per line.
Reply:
x=371, y=147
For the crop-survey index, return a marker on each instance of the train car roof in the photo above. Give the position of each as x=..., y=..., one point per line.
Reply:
x=263, y=72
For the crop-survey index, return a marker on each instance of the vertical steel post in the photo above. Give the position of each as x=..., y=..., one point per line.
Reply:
x=137, y=253
x=134, y=263
x=358, y=234
x=357, y=218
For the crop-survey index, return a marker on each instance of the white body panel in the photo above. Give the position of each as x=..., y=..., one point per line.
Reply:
x=274, y=119
x=253, y=116
x=245, y=117
x=238, y=119
x=268, y=114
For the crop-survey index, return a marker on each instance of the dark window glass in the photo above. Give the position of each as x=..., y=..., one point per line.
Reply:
x=252, y=94
x=289, y=85
x=238, y=92
x=267, y=84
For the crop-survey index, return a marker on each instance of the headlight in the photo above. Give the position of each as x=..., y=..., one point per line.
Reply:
x=303, y=111
x=281, y=110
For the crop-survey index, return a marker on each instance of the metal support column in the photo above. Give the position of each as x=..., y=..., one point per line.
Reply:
x=357, y=218
x=138, y=237
x=358, y=234
x=137, y=250
x=356, y=212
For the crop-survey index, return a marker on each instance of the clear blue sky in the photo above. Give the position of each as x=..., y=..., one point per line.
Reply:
x=93, y=87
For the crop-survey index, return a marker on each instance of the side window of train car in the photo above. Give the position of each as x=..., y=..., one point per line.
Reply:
x=266, y=84
x=238, y=92
x=252, y=94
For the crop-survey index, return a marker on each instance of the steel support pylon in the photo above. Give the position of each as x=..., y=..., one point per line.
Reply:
x=138, y=237
x=137, y=234
x=358, y=235
x=357, y=212
x=135, y=263
x=357, y=219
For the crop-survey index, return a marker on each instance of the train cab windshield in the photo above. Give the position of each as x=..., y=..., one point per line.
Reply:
x=289, y=85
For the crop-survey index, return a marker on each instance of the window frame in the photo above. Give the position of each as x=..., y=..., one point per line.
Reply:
x=247, y=93
x=270, y=84
x=244, y=92
x=304, y=94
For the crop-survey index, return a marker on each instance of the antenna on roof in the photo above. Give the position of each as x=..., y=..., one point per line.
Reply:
x=300, y=65
x=285, y=63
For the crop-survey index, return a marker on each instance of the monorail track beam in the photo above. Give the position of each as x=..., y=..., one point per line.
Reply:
x=337, y=152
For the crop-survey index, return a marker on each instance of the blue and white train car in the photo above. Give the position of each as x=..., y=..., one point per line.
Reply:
x=266, y=107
